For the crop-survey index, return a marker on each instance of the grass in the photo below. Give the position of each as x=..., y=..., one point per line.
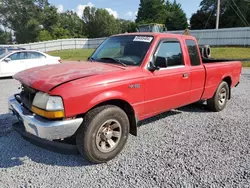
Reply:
x=232, y=52
x=225, y=52
x=73, y=55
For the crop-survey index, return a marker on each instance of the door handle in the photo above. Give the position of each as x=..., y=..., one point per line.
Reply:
x=185, y=75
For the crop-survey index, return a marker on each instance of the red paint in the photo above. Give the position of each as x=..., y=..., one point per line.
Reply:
x=85, y=85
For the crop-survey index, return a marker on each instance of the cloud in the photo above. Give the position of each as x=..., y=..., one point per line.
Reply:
x=80, y=8
x=129, y=14
x=112, y=12
x=59, y=8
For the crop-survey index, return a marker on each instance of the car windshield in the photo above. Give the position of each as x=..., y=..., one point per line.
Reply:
x=125, y=50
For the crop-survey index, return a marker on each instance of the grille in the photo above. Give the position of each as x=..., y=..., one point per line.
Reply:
x=27, y=96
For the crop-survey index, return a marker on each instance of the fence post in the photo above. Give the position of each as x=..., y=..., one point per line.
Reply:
x=245, y=38
x=217, y=33
x=45, y=47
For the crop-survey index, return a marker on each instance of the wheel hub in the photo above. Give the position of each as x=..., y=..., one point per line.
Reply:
x=108, y=136
x=222, y=96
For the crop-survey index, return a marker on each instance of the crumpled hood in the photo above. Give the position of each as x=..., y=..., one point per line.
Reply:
x=47, y=77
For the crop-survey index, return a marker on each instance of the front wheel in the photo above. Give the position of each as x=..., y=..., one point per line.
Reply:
x=220, y=98
x=103, y=133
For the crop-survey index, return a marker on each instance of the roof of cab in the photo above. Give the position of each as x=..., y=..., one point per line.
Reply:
x=155, y=34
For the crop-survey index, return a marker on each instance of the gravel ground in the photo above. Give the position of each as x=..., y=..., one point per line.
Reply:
x=183, y=148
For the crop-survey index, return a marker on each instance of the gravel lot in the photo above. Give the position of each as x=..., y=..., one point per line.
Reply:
x=183, y=148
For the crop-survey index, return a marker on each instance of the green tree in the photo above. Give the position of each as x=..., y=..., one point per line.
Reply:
x=71, y=21
x=151, y=11
x=176, y=18
x=21, y=16
x=5, y=37
x=232, y=14
x=157, y=11
x=203, y=20
x=60, y=33
x=45, y=35
x=50, y=18
x=127, y=26
x=42, y=3
x=99, y=23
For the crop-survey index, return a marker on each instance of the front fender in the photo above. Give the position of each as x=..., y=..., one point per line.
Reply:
x=107, y=96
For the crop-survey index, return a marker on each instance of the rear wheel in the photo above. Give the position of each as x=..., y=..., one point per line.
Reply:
x=103, y=133
x=220, y=98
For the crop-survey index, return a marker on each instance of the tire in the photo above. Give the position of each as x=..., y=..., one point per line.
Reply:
x=220, y=98
x=93, y=139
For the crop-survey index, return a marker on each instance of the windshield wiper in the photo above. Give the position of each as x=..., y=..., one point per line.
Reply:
x=91, y=59
x=114, y=60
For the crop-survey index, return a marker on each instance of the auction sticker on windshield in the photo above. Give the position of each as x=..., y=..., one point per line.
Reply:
x=143, y=39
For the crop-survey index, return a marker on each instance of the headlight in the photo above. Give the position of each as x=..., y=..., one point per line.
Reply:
x=48, y=106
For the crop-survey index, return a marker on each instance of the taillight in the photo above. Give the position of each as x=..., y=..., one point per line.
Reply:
x=60, y=61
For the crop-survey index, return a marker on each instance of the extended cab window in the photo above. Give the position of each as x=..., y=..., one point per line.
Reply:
x=193, y=53
x=171, y=50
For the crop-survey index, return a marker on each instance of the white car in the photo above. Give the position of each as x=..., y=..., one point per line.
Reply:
x=16, y=61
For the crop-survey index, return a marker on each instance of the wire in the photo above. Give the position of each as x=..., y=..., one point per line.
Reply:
x=241, y=13
x=206, y=24
x=238, y=14
x=208, y=19
x=205, y=27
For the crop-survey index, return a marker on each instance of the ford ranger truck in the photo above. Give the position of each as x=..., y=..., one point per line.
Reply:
x=91, y=107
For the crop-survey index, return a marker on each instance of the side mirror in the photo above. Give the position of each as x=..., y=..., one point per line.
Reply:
x=7, y=60
x=152, y=67
x=161, y=62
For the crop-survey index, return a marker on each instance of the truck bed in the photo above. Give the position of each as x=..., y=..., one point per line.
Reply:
x=219, y=70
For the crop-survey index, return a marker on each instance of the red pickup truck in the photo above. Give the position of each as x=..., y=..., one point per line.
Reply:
x=93, y=106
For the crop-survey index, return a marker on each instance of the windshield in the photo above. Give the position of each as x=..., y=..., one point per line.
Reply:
x=129, y=49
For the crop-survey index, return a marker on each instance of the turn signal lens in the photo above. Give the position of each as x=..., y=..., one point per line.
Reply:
x=48, y=114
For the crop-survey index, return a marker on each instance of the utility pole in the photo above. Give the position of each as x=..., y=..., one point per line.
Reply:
x=218, y=15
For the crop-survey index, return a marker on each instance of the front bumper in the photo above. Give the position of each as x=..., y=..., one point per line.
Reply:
x=41, y=127
x=54, y=146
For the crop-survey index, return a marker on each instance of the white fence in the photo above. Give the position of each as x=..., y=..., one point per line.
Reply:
x=221, y=37
x=62, y=44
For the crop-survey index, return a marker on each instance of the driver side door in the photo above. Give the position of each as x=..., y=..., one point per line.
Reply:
x=16, y=64
x=168, y=87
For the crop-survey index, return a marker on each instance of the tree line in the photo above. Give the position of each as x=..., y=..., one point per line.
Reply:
x=37, y=20
x=232, y=14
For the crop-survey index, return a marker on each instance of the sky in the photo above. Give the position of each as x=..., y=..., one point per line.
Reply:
x=126, y=9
